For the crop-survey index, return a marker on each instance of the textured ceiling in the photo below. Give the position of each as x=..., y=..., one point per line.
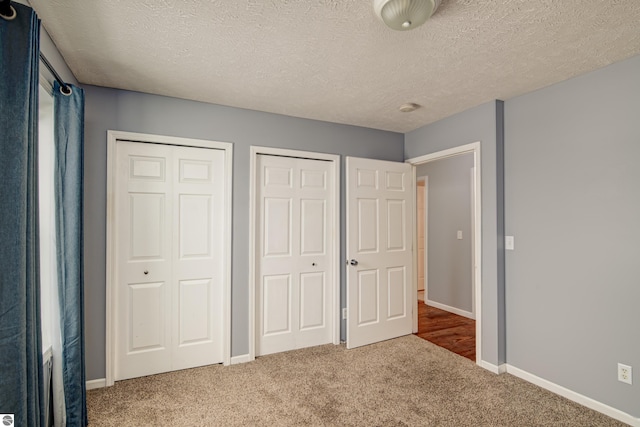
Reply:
x=334, y=60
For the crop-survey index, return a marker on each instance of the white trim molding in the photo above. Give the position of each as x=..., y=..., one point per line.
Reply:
x=574, y=396
x=112, y=138
x=449, y=152
x=242, y=358
x=334, y=244
x=414, y=244
x=425, y=220
x=99, y=383
x=496, y=369
x=454, y=310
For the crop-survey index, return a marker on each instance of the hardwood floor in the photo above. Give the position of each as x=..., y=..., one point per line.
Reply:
x=448, y=330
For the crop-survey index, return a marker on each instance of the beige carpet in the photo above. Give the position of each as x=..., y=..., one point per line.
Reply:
x=402, y=382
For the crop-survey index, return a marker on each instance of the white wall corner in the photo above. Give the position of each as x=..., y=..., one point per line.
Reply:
x=243, y=358
x=99, y=383
x=574, y=396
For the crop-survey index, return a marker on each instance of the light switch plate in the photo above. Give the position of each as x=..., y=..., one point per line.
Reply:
x=459, y=234
x=509, y=243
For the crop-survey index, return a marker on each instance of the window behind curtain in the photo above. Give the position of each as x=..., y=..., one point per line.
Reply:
x=48, y=274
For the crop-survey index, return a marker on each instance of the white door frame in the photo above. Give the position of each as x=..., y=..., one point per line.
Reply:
x=424, y=179
x=112, y=138
x=473, y=148
x=334, y=236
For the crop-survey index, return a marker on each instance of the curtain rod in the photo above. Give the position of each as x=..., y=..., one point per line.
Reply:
x=9, y=13
x=63, y=86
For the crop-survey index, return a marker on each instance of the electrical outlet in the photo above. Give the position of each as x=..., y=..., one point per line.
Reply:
x=344, y=313
x=625, y=373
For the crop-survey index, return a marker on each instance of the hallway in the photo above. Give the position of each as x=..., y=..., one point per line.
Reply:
x=447, y=330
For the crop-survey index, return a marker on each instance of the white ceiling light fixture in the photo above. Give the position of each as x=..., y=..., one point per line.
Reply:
x=409, y=107
x=403, y=15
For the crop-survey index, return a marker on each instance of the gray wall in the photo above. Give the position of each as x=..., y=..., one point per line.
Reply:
x=449, y=260
x=110, y=109
x=476, y=124
x=573, y=205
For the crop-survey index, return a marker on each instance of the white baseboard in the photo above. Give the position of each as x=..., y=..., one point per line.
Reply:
x=450, y=309
x=99, y=383
x=243, y=358
x=576, y=397
x=496, y=369
x=102, y=382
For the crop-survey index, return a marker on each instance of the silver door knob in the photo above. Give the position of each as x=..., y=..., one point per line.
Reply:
x=146, y=272
x=353, y=262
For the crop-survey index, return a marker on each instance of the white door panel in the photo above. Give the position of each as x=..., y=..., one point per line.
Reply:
x=168, y=260
x=312, y=304
x=293, y=263
x=143, y=260
x=197, y=257
x=379, y=282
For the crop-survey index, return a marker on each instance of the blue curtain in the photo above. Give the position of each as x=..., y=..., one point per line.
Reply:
x=21, y=391
x=69, y=144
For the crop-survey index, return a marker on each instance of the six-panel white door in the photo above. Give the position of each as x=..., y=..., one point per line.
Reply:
x=169, y=219
x=294, y=262
x=379, y=239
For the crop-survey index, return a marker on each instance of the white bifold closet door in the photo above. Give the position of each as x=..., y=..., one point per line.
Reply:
x=294, y=262
x=169, y=205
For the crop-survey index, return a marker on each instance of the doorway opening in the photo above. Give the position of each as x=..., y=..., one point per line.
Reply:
x=448, y=249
